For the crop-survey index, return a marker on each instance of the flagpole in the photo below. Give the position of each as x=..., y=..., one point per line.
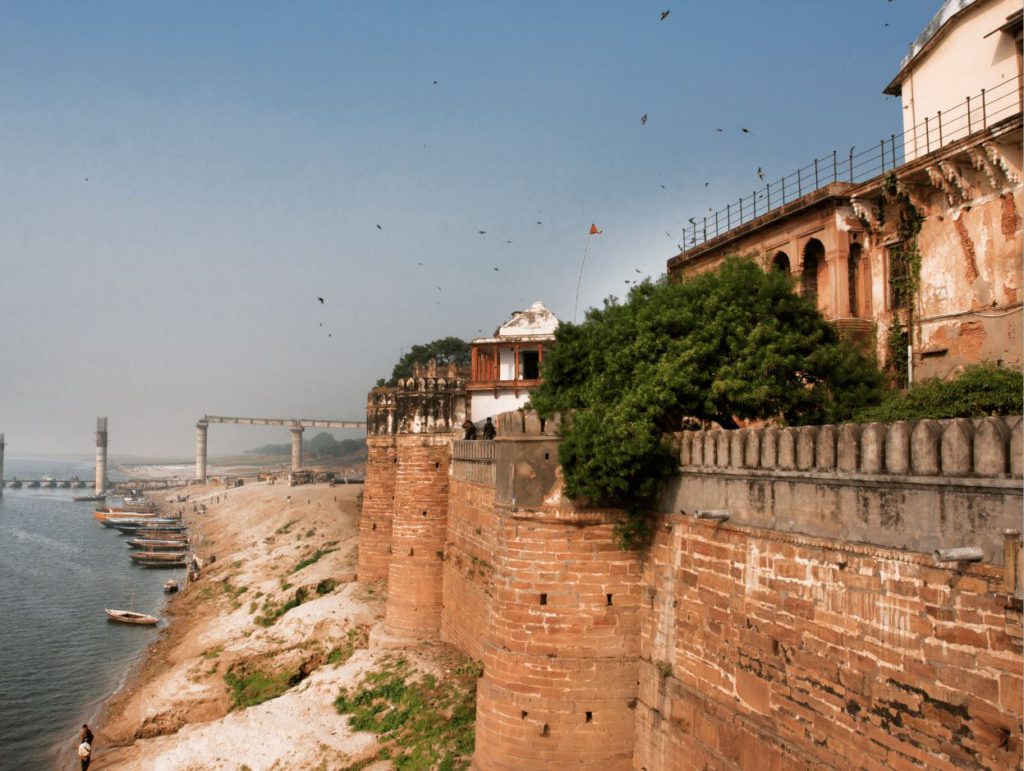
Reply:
x=579, y=281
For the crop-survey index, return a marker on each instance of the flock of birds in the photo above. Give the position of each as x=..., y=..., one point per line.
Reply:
x=743, y=130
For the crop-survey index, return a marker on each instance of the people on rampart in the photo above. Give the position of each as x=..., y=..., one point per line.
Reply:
x=470, y=429
x=489, y=431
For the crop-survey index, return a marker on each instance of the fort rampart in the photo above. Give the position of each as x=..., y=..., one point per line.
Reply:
x=810, y=629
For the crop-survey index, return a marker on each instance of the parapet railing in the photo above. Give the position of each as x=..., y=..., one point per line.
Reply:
x=473, y=461
x=984, y=447
x=473, y=450
x=975, y=113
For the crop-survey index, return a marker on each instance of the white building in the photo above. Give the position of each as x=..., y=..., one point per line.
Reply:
x=506, y=366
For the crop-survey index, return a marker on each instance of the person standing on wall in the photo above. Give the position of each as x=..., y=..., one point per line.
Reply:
x=469, y=428
x=489, y=432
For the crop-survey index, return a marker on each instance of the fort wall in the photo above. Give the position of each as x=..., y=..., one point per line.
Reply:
x=810, y=629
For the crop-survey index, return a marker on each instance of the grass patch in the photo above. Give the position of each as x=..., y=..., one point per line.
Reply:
x=285, y=527
x=212, y=653
x=326, y=586
x=311, y=532
x=423, y=724
x=354, y=640
x=312, y=558
x=250, y=687
x=272, y=611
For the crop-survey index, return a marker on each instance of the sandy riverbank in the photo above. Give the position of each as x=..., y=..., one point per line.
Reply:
x=179, y=712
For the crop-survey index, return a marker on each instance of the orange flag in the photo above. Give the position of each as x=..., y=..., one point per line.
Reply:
x=594, y=231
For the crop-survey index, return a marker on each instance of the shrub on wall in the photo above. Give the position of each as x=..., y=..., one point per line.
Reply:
x=735, y=343
x=980, y=390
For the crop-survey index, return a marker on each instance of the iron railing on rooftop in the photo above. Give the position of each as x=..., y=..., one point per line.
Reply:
x=975, y=113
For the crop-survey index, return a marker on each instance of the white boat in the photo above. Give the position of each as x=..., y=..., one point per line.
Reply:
x=131, y=617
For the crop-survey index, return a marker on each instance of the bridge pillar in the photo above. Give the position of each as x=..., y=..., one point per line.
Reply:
x=297, y=448
x=201, y=427
x=1, y=465
x=101, y=456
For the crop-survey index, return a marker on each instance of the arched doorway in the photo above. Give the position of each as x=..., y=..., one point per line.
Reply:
x=780, y=262
x=814, y=257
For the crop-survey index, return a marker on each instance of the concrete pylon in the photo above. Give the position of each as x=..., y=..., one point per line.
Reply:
x=1, y=465
x=101, y=456
x=201, y=427
x=297, y=448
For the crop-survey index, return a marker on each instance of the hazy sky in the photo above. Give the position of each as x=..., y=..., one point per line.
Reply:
x=180, y=181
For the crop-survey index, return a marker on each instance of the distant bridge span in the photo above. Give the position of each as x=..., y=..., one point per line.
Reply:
x=295, y=425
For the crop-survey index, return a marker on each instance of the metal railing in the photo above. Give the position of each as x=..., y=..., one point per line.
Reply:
x=975, y=113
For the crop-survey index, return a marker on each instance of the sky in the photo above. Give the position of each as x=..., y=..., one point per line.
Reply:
x=180, y=182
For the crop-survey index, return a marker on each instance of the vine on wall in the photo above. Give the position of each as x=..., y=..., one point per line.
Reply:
x=904, y=273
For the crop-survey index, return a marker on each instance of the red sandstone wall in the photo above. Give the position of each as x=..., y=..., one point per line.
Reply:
x=560, y=664
x=468, y=566
x=418, y=537
x=763, y=650
x=378, y=508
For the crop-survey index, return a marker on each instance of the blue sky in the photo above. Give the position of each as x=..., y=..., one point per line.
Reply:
x=182, y=180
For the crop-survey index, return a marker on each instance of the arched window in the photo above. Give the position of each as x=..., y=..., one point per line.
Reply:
x=853, y=276
x=781, y=262
x=814, y=256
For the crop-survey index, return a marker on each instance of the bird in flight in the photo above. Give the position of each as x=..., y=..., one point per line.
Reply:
x=539, y=222
x=706, y=184
x=664, y=14
x=495, y=269
x=692, y=222
x=419, y=263
x=719, y=130
x=643, y=119
x=435, y=82
x=760, y=173
x=379, y=227
x=508, y=242
x=321, y=299
x=664, y=188
x=482, y=232
x=746, y=130
x=636, y=269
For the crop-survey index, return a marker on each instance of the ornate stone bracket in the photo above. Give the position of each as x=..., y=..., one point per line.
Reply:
x=866, y=211
x=998, y=158
x=938, y=180
x=980, y=162
x=953, y=174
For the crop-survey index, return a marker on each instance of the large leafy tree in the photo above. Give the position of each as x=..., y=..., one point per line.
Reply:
x=444, y=351
x=735, y=343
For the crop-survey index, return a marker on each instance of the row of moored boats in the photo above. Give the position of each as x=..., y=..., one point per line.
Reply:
x=158, y=542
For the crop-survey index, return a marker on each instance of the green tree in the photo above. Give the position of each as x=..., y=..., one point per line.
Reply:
x=736, y=343
x=444, y=351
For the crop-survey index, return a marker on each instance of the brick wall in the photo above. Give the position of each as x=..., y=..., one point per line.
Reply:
x=468, y=566
x=764, y=650
x=560, y=663
x=378, y=508
x=417, y=537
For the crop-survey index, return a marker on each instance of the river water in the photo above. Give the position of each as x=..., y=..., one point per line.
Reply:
x=59, y=656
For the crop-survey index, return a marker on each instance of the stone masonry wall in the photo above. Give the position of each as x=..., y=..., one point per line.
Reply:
x=767, y=650
x=378, y=508
x=919, y=485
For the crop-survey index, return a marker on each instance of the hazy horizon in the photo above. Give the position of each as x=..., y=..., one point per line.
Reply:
x=184, y=181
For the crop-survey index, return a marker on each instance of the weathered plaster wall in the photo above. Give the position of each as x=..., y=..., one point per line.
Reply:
x=766, y=650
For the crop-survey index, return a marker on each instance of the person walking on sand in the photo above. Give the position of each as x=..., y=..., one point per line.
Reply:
x=86, y=735
x=85, y=754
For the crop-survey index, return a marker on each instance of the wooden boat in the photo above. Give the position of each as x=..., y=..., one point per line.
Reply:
x=159, y=559
x=131, y=525
x=131, y=617
x=157, y=544
x=89, y=498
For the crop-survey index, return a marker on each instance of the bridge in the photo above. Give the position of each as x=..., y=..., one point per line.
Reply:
x=295, y=425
